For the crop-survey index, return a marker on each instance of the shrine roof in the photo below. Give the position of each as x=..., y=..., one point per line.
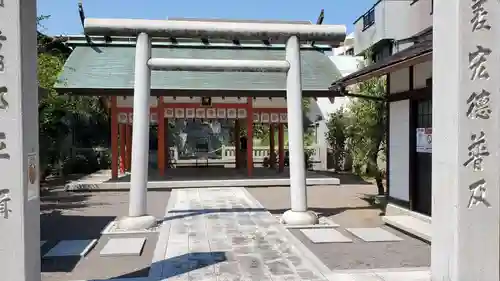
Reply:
x=106, y=67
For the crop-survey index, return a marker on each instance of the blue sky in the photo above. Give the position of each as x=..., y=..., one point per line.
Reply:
x=64, y=18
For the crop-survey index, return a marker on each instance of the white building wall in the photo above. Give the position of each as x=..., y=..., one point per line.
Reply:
x=400, y=81
x=393, y=20
x=399, y=147
x=364, y=38
x=397, y=21
x=419, y=17
x=421, y=72
x=348, y=44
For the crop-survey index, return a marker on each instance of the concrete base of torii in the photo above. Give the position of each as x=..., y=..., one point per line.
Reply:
x=291, y=217
x=137, y=223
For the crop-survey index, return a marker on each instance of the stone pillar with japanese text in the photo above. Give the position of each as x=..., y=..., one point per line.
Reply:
x=466, y=137
x=19, y=188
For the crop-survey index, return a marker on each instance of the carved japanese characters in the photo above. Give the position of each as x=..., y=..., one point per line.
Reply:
x=4, y=153
x=4, y=203
x=479, y=107
x=477, y=151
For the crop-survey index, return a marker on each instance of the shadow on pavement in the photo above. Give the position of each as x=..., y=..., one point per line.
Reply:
x=56, y=226
x=326, y=212
x=144, y=272
x=178, y=265
x=322, y=212
x=62, y=200
x=58, y=222
x=59, y=264
x=196, y=212
x=377, y=201
x=56, y=181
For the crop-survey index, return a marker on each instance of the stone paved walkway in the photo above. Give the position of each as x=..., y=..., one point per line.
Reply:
x=225, y=234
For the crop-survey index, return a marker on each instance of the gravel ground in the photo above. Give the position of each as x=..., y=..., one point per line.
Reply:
x=346, y=206
x=71, y=216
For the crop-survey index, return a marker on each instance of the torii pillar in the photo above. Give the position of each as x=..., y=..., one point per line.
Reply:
x=298, y=214
x=138, y=217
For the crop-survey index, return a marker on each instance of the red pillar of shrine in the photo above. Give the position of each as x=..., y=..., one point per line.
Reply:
x=123, y=164
x=167, y=148
x=281, y=147
x=128, y=144
x=250, y=136
x=237, y=143
x=161, y=136
x=272, y=154
x=125, y=155
x=114, y=138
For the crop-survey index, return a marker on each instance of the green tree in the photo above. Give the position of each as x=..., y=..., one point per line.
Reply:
x=63, y=118
x=337, y=136
x=366, y=130
x=364, y=126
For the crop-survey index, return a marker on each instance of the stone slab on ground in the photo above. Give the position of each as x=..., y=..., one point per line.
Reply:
x=123, y=247
x=325, y=235
x=373, y=234
x=71, y=248
x=225, y=234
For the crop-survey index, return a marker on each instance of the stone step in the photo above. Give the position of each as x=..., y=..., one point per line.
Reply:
x=99, y=184
x=410, y=224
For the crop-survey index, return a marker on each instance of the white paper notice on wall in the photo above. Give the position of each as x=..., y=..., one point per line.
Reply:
x=424, y=140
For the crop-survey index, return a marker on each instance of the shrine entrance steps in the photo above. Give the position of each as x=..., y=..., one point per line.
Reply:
x=199, y=177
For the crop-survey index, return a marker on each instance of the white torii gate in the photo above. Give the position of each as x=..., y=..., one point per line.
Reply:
x=144, y=63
